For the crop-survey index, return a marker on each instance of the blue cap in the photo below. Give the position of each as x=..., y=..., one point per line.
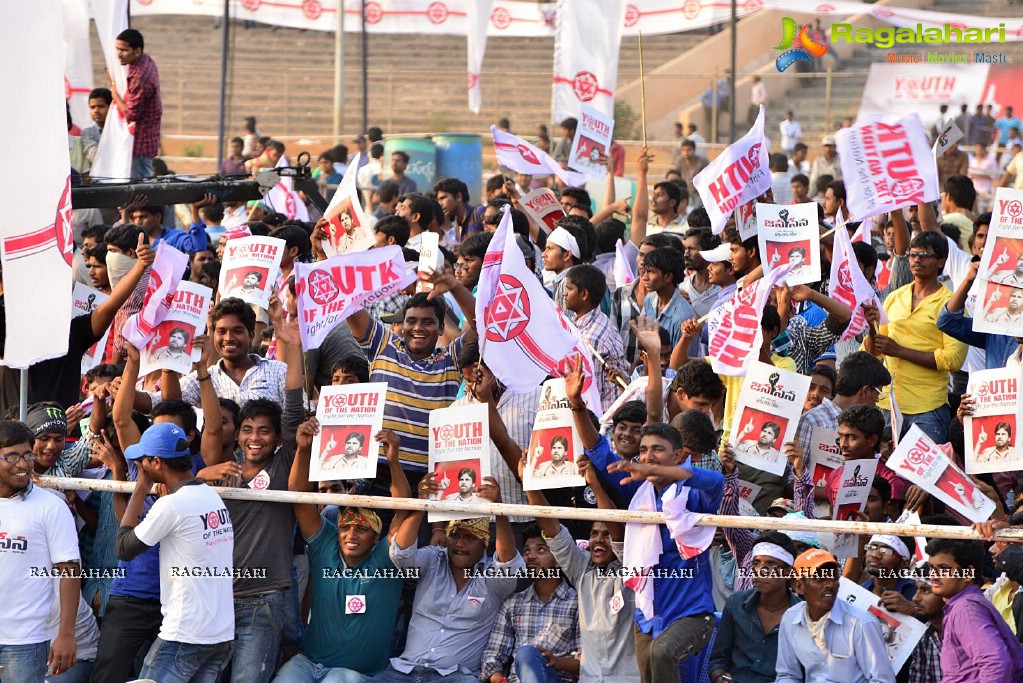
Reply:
x=162, y=440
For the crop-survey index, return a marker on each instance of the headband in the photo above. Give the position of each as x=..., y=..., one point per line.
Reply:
x=360, y=517
x=772, y=550
x=477, y=526
x=46, y=421
x=893, y=542
x=564, y=239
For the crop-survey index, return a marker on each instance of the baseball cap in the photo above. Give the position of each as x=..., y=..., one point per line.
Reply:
x=162, y=440
x=812, y=560
x=718, y=254
x=828, y=140
x=784, y=504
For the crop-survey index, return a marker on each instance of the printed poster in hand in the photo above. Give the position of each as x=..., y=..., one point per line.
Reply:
x=171, y=348
x=856, y=478
x=250, y=269
x=766, y=416
x=350, y=416
x=901, y=633
x=999, y=304
x=748, y=492
x=347, y=227
x=991, y=434
x=555, y=446
x=592, y=143
x=86, y=300
x=920, y=461
x=823, y=455
x=543, y=207
x=790, y=234
x=459, y=445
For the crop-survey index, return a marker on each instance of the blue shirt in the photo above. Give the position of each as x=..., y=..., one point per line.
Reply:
x=1004, y=125
x=907, y=587
x=141, y=575
x=189, y=242
x=671, y=318
x=741, y=647
x=855, y=651
x=997, y=347
x=332, y=585
x=674, y=597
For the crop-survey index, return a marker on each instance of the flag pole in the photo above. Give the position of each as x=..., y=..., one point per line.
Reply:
x=23, y=394
x=618, y=380
x=642, y=88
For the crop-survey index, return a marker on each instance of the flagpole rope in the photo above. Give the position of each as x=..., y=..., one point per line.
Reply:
x=596, y=515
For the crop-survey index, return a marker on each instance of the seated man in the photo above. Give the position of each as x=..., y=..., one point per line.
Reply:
x=356, y=587
x=538, y=628
x=459, y=594
x=826, y=639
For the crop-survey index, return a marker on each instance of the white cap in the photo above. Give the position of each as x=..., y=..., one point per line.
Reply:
x=718, y=254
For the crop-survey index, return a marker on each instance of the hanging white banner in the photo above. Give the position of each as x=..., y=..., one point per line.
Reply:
x=78, y=61
x=113, y=157
x=586, y=46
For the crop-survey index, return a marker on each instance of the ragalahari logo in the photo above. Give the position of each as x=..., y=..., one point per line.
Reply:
x=807, y=50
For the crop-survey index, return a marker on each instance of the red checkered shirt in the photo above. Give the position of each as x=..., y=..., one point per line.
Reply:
x=143, y=106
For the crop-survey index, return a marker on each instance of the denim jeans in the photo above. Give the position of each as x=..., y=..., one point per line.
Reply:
x=933, y=423
x=170, y=662
x=79, y=673
x=130, y=625
x=531, y=666
x=141, y=167
x=258, y=624
x=421, y=674
x=24, y=663
x=659, y=657
x=301, y=669
x=293, y=630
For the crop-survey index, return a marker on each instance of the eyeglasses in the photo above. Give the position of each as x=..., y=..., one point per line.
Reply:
x=882, y=550
x=921, y=255
x=13, y=458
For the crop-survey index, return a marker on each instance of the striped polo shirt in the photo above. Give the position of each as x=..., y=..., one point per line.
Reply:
x=414, y=388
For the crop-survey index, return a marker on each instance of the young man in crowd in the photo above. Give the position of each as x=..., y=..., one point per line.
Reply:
x=696, y=287
x=140, y=103
x=99, y=105
x=663, y=273
x=924, y=665
x=584, y=289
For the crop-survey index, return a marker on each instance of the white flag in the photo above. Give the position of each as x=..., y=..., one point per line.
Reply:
x=947, y=137
x=35, y=225
x=622, y=268
x=849, y=286
x=739, y=174
x=886, y=166
x=520, y=156
x=524, y=338
x=113, y=157
x=476, y=47
x=586, y=44
x=283, y=198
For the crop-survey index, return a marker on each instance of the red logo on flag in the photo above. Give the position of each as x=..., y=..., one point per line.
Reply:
x=289, y=205
x=528, y=155
x=500, y=18
x=473, y=80
x=632, y=15
x=691, y=8
x=905, y=188
x=251, y=5
x=322, y=288
x=509, y=311
x=437, y=12
x=312, y=9
x=585, y=85
x=1014, y=208
x=59, y=233
x=67, y=89
x=64, y=226
x=374, y=13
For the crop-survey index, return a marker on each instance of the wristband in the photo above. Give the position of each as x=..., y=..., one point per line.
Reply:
x=202, y=379
x=578, y=409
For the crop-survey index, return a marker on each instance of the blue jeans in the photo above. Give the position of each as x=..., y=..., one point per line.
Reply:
x=293, y=630
x=301, y=669
x=141, y=167
x=24, y=663
x=531, y=666
x=933, y=423
x=258, y=624
x=421, y=674
x=170, y=662
x=79, y=673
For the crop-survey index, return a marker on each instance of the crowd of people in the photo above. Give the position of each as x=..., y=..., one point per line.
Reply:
x=172, y=583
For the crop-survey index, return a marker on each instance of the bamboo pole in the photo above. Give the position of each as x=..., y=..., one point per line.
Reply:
x=486, y=509
x=642, y=88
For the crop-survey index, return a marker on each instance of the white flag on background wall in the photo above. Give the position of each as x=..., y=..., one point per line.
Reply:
x=78, y=60
x=113, y=158
x=586, y=42
x=476, y=46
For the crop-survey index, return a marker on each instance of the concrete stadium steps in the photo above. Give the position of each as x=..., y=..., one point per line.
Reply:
x=807, y=102
x=416, y=83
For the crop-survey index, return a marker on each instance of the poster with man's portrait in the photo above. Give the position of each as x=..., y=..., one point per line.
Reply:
x=173, y=344
x=350, y=416
x=459, y=455
x=555, y=447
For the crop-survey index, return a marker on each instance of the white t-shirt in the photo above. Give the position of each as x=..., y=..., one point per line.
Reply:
x=196, y=540
x=36, y=533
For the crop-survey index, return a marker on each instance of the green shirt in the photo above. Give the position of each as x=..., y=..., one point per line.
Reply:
x=331, y=631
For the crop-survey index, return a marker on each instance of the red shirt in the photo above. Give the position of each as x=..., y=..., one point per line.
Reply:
x=144, y=109
x=899, y=485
